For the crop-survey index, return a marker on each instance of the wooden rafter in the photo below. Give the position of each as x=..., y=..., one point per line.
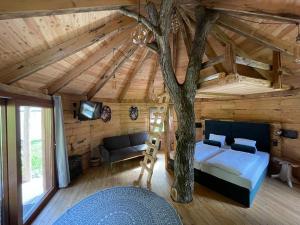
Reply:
x=12, y=90
x=277, y=73
x=13, y=73
x=275, y=10
x=152, y=76
x=213, y=62
x=238, y=60
x=258, y=36
x=132, y=73
x=185, y=19
x=29, y=8
x=210, y=52
x=224, y=38
x=105, y=48
x=110, y=69
x=230, y=59
x=243, y=59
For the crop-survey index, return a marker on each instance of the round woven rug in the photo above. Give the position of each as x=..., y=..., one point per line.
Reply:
x=121, y=206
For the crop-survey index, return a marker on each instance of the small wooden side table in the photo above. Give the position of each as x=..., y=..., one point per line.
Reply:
x=285, y=173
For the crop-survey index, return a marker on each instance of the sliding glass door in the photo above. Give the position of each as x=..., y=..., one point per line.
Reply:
x=26, y=159
x=36, y=156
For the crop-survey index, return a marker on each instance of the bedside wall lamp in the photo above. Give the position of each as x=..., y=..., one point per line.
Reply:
x=292, y=134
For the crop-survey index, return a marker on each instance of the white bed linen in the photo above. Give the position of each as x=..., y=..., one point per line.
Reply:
x=204, y=152
x=247, y=180
x=234, y=162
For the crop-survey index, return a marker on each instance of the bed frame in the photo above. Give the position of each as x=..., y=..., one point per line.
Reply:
x=254, y=131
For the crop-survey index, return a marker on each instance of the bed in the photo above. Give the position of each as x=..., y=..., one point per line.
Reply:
x=239, y=187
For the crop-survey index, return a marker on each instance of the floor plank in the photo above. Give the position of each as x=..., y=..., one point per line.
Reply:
x=275, y=203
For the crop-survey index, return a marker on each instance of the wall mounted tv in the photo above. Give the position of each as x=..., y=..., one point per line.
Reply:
x=89, y=110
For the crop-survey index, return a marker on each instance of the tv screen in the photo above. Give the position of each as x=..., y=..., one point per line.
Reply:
x=89, y=110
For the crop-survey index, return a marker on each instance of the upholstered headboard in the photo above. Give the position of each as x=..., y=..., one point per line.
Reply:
x=260, y=132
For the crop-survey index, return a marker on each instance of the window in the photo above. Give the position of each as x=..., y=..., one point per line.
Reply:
x=153, y=110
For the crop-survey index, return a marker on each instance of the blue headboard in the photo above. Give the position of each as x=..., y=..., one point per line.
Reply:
x=260, y=132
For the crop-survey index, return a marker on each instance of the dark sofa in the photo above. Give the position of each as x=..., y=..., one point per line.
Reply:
x=119, y=148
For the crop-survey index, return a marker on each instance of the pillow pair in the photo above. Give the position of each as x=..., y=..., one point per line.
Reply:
x=244, y=145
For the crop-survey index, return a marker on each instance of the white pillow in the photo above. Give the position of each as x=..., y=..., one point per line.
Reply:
x=219, y=138
x=243, y=141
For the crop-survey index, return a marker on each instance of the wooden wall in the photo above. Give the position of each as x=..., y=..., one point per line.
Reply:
x=282, y=112
x=84, y=137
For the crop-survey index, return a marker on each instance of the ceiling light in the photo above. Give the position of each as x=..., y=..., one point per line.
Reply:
x=140, y=34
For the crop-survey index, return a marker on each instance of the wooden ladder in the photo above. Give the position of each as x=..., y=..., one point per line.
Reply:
x=153, y=142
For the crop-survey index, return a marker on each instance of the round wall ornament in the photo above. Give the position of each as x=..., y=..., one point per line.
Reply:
x=133, y=112
x=106, y=113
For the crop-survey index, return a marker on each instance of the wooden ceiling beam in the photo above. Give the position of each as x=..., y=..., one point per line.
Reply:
x=152, y=76
x=256, y=35
x=132, y=73
x=104, y=49
x=32, y=8
x=13, y=73
x=238, y=60
x=275, y=9
x=224, y=38
x=210, y=52
x=276, y=72
x=108, y=71
x=8, y=91
x=230, y=59
x=213, y=62
x=185, y=18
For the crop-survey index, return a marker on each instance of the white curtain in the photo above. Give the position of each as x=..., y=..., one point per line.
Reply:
x=62, y=164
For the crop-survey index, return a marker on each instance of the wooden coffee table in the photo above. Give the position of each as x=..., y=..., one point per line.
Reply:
x=285, y=173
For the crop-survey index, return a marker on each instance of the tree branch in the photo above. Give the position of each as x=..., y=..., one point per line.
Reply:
x=152, y=13
x=205, y=18
x=165, y=17
x=143, y=20
x=165, y=55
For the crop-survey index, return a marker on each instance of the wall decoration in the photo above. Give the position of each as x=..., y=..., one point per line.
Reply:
x=133, y=112
x=106, y=114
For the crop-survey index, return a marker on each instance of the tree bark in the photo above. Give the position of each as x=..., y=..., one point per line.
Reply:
x=182, y=95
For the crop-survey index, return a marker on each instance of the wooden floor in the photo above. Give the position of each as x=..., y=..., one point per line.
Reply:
x=274, y=204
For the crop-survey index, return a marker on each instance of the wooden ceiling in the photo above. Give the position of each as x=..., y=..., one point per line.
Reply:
x=84, y=47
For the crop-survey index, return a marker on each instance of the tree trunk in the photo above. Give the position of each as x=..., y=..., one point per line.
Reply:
x=183, y=186
x=182, y=95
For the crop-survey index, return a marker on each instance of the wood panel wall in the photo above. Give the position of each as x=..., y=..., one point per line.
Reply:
x=84, y=137
x=281, y=112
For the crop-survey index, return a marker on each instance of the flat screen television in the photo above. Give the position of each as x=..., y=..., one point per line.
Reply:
x=89, y=110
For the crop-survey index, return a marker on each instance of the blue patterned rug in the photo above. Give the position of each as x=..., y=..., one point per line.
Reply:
x=121, y=206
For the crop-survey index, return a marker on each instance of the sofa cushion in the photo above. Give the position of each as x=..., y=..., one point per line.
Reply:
x=142, y=147
x=124, y=153
x=138, y=138
x=117, y=142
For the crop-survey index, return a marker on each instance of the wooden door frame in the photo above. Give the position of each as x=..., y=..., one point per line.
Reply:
x=14, y=168
x=5, y=217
